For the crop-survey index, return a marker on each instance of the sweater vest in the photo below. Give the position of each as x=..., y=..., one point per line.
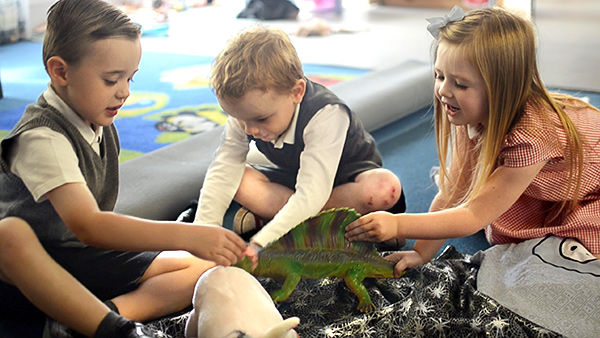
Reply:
x=101, y=174
x=359, y=153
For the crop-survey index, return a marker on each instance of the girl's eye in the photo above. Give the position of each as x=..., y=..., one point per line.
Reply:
x=110, y=83
x=262, y=120
x=459, y=86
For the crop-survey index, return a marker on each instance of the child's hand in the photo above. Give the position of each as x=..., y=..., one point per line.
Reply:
x=377, y=226
x=405, y=260
x=252, y=254
x=218, y=244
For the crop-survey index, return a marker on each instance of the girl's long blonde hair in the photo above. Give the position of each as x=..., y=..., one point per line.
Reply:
x=502, y=47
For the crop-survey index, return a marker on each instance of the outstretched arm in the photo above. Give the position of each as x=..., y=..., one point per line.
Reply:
x=77, y=207
x=502, y=190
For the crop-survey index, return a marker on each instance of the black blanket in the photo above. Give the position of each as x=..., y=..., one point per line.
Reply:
x=437, y=299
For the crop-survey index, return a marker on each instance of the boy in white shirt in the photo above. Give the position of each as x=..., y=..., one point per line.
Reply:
x=323, y=156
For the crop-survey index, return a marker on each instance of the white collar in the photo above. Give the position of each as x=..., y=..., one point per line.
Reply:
x=289, y=134
x=89, y=134
x=474, y=131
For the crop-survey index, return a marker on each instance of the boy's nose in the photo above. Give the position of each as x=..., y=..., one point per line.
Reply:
x=251, y=129
x=123, y=92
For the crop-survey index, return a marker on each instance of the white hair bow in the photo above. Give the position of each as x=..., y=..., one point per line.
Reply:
x=437, y=23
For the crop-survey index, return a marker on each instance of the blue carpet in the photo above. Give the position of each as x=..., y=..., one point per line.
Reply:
x=170, y=98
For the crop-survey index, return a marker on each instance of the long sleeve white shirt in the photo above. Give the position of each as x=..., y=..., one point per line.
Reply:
x=324, y=138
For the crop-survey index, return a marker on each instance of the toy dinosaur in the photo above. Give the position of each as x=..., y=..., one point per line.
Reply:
x=317, y=248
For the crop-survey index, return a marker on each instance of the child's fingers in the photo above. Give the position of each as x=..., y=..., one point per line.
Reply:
x=405, y=260
x=254, y=260
x=357, y=223
x=367, y=236
x=395, y=256
x=399, y=271
x=221, y=246
x=366, y=232
x=252, y=254
x=239, y=246
x=399, y=258
x=357, y=229
x=223, y=260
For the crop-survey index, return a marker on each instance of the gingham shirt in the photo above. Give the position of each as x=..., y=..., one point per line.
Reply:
x=535, y=139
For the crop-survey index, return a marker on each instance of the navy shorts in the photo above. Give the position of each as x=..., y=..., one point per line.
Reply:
x=287, y=178
x=105, y=273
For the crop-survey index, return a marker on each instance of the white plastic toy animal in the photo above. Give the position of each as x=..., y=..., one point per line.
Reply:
x=229, y=302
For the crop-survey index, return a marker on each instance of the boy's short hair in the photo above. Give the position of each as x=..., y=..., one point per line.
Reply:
x=260, y=58
x=73, y=24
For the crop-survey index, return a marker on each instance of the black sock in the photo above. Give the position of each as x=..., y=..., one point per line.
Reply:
x=112, y=306
x=113, y=326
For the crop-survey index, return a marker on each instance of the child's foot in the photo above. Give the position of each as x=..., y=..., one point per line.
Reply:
x=139, y=330
x=245, y=222
x=113, y=325
x=116, y=326
x=189, y=213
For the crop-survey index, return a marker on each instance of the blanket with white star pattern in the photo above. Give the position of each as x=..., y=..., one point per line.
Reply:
x=437, y=299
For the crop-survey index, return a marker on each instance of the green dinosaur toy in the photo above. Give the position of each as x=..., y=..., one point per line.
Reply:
x=317, y=248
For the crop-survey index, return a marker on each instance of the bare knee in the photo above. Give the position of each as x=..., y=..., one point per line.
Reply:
x=197, y=267
x=381, y=189
x=16, y=239
x=188, y=267
x=15, y=233
x=245, y=190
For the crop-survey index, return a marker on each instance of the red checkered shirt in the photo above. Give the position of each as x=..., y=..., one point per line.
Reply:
x=535, y=139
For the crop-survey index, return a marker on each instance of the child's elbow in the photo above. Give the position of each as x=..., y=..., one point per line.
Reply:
x=83, y=231
x=83, y=234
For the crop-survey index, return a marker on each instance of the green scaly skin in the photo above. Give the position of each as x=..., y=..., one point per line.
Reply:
x=318, y=260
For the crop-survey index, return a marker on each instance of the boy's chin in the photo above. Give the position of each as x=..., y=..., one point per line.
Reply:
x=105, y=122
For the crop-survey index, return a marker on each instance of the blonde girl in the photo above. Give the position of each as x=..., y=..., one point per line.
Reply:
x=523, y=162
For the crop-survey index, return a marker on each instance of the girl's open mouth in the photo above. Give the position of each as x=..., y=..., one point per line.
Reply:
x=451, y=110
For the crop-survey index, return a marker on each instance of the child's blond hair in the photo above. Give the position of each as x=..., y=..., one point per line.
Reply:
x=259, y=58
x=501, y=46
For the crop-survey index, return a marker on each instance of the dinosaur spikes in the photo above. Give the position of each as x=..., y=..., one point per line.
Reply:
x=317, y=248
x=324, y=231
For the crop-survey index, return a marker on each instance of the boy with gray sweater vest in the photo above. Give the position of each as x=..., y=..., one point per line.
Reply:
x=59, y=176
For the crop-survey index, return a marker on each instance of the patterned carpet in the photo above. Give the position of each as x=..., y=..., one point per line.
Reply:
x=170, y=97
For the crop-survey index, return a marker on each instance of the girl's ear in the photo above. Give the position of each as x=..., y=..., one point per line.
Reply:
x=57, y=69
x=298, y=90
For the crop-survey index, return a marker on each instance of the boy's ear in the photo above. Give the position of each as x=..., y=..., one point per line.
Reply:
x=298, y=90
x=57, y=69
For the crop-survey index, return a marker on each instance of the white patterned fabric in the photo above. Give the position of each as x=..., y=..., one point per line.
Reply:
x=553, y=281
